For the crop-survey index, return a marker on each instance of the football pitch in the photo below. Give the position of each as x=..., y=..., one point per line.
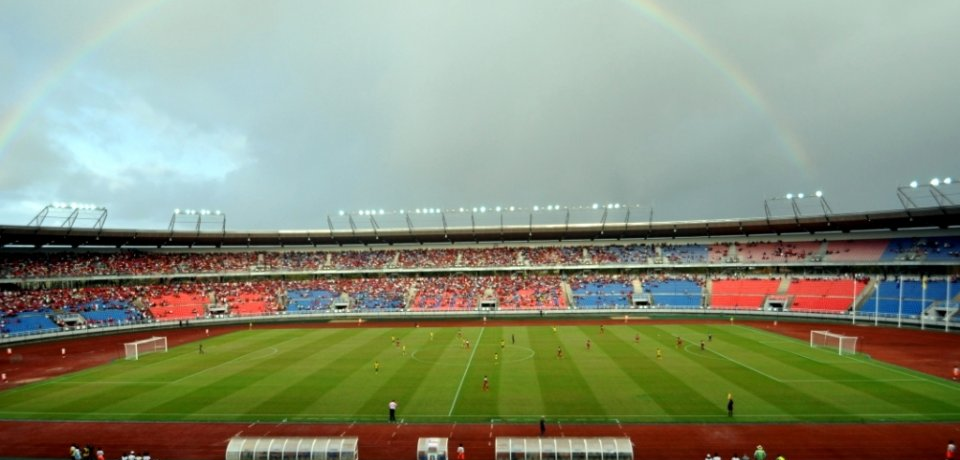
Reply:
x=330, y=375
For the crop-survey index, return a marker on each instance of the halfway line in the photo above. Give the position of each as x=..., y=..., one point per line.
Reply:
x=464, y=377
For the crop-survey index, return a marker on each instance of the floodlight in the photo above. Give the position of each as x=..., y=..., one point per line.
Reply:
x=217, y=212
x=819, y=194
x=595, y=206
x=499, y=209
x=474, y=210
x=789, y=196
x=549, y=207
x=556, y=206
x=381, y=212
x=536, y=208
x=913, y=184
x=947, y=180
x=935, y=182
x=341, y=213
x=483, y=209
x=176, y=211
x=800, y=196
x=461, y=210
x=616, y=206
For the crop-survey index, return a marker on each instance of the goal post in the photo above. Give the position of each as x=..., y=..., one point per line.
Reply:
x=133, y=350
x=844, y=344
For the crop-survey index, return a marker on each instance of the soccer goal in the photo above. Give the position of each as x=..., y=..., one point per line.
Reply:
x=142, y=347
x=845, y=345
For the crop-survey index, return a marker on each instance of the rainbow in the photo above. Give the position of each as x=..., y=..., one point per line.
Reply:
x=730, y=71
x=110, y=25
x=122, y=18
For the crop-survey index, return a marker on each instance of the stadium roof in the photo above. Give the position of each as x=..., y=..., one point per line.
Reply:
x=945, y=217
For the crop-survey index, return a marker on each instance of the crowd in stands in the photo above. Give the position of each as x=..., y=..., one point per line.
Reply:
x=506, y=292
x=130, y=263
x=778, y=251
x=489, y=257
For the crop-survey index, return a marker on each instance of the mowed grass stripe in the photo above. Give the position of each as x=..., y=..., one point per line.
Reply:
x=327, y=375
x=676, y=382
x=436, y=390
x=563, y=389
x=97, y=402
x=370, y=396
x=215, y=389
x=764, y=397
x=844, y=390
x=253, y=390
x=473, y=403
x=615, y=381
x=517, y=376
x=637, y=370
x=318, y=371
x=866, y=388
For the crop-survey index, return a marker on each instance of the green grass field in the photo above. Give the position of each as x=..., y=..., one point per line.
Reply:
x=312, y=375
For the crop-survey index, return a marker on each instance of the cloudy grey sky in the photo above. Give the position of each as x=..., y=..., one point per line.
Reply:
x=281, y=113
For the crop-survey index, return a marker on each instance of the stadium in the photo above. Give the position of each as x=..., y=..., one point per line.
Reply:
x=304, y=230
x=833, y=334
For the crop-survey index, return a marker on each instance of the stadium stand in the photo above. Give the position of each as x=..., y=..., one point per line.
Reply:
x=824, y=295
x=601, y=291
x=675, y=293
x=741, y=294
x=855, y=250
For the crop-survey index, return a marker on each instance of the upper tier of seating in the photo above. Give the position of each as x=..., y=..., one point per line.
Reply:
x=72, y=264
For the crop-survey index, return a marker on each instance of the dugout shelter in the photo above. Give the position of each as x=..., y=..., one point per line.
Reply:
x=262, y=448
x=432, y=449
x=566, y=448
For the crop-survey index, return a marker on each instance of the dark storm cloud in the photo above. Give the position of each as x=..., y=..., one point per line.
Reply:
x=281, y=114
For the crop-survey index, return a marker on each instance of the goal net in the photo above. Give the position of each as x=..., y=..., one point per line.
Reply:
x=142, y=347
x=845, y=345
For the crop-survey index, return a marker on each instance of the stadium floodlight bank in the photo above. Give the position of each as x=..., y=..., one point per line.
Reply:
x=844, y=344
x=142, y=347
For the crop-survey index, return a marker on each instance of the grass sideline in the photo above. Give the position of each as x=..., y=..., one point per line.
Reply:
x=327, y=375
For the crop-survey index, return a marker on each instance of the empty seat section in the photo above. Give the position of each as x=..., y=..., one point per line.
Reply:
x=824, y=296
x=28, y=322
x=304, y=300
x=597, y=292
x=741, y=294
x=946, y=249
x=900, y=249
x=889, y=301
x=856, y=251
x=675, y=293
x=685, y=253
